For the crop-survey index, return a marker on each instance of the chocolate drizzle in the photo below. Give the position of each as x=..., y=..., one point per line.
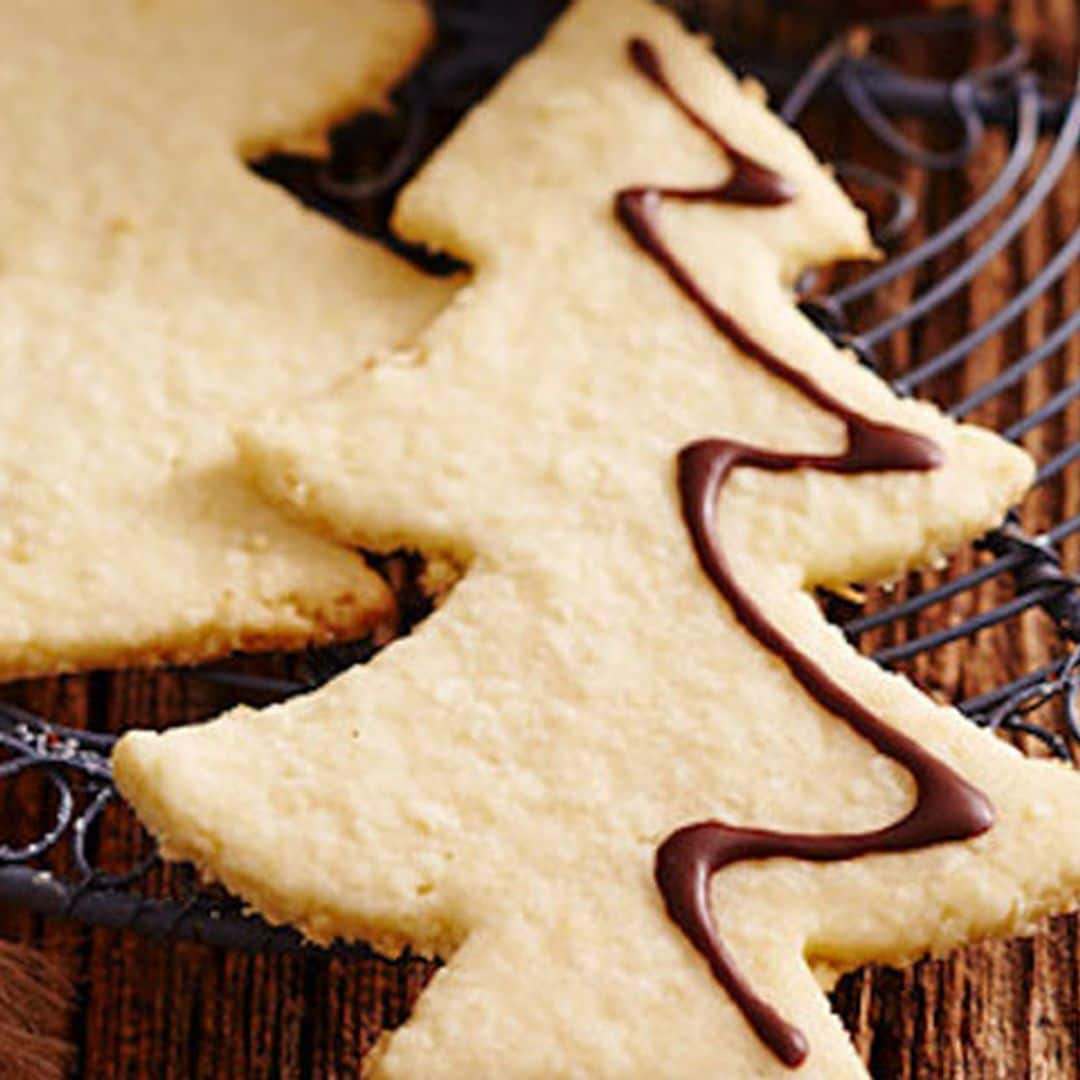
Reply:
x=947, y=808
x=750, y=183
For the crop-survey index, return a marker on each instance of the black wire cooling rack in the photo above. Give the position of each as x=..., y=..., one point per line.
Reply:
x=57, y=872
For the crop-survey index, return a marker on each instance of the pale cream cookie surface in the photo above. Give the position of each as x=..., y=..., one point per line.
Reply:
x=494, y=788
x=154, y=293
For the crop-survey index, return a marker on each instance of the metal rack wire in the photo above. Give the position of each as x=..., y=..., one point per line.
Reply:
x=479, y=38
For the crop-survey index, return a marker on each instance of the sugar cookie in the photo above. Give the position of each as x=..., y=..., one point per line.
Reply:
x=153, y=294
x=585, y=780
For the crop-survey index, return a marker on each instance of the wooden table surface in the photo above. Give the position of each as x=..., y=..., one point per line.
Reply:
x=1002, y=1009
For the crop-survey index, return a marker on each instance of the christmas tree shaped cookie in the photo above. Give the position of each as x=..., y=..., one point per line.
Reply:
x=626, y=780
x=154, y=293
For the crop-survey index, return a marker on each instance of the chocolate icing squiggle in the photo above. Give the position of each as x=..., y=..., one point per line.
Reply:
x=947, y=807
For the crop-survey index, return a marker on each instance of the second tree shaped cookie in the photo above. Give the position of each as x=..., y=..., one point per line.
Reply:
x=626, y=780
x=154, y=293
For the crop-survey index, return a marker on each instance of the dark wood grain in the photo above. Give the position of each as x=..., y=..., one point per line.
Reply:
x=1002, y=1010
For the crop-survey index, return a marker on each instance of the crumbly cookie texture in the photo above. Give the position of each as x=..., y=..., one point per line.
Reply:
x=154, y=293
x=493, y=789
